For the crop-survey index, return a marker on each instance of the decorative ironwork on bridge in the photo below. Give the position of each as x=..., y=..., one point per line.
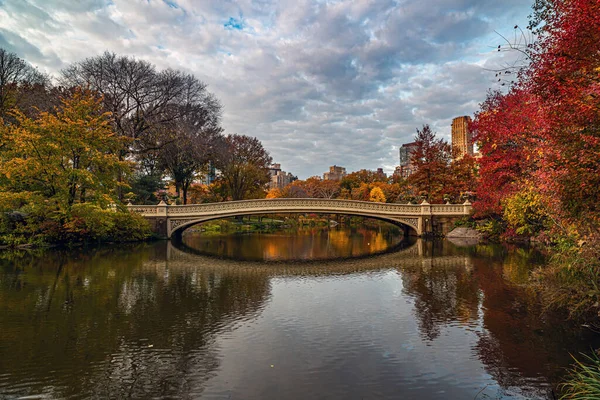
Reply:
x=170, y=219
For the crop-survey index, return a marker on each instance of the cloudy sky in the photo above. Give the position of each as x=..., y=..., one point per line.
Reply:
x=319, y=82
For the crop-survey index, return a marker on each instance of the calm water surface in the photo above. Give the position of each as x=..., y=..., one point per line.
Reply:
x=191, y=320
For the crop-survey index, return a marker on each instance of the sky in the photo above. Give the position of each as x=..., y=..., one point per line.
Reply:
x=319, y=82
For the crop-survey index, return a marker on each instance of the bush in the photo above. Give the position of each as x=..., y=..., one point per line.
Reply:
x=90, y=223
x=525, y=212
x=466, y=222
x=571, y=281
x=491, y=228
x=44, y=222
x=129, y=227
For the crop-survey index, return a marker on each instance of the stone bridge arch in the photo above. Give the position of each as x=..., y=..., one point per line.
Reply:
x=421, y=219
x=178, y=226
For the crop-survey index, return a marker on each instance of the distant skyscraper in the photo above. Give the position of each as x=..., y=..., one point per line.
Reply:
x=406, y=165
x=335, y=173
x=462, y=139
x=279, y=178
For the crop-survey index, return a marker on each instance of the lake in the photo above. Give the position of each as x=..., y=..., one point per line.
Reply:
x=314, y=313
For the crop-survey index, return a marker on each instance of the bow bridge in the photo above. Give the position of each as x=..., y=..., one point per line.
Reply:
x=417, y=219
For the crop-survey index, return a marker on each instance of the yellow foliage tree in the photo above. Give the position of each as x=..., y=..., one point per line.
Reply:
x=377, y=195
x=274, y=193
x=525, y=211
x=69, y=156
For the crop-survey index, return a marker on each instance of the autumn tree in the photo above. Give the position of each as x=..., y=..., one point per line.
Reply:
x=354, y=179
x=328, y=189
x=509, y=130
x=295, y=190
x=244, y=166
x=564, y=74
x=431, y=159
x=541, y=140
x=69, y=156
x=377, y=195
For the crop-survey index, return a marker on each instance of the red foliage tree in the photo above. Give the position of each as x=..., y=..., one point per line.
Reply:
x=431, y=159
x=509, y=130
x=546, y=131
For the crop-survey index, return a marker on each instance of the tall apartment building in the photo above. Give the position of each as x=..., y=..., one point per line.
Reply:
x=462, y=139
x=279, y=178
x=406, y=167
x=335, y=173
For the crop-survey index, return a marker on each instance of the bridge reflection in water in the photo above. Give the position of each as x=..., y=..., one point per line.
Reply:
x=417, y=255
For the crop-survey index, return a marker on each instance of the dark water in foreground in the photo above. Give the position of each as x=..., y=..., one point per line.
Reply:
x=425, y=321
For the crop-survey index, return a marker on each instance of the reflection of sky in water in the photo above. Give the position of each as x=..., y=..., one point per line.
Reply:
x=323, y=335
x=428, y=321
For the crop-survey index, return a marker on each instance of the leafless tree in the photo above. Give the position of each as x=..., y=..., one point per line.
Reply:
x=144, y=101
x=17, y=77
x=196, y=142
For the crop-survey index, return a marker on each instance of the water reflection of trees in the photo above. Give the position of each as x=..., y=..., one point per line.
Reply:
x=307, y=243
x=518, y=343
x=145, y=321
x=115, y=323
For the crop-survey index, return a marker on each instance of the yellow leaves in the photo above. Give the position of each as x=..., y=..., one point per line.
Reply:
x=55, y=154
x=525, y=211
x=376, y=195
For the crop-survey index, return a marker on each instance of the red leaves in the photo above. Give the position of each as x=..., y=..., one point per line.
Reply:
x=546, y=131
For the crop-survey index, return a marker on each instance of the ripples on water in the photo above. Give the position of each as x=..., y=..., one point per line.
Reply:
x=428, y=321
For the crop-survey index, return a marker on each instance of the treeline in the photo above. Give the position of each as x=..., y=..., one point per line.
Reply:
x=108, y=130
x=540, y=142
x=439, y=175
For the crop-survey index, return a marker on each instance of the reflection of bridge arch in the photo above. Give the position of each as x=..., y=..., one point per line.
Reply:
x=169, y=220
x=414, y=256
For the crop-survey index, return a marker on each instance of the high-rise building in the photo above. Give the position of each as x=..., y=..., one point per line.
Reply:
x=335, y=173
x=279, y=178
x=209, y=174
x=462, y=139
x=406, y=165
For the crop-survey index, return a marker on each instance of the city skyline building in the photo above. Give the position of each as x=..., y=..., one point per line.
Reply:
x=462, y=138
x=336, y=173
x=406, y=167
x=279, y=178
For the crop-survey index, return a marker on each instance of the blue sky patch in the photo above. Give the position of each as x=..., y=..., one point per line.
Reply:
x=234, y=23
x=171, y=4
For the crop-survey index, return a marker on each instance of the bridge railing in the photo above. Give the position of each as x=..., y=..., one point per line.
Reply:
x=300, y=205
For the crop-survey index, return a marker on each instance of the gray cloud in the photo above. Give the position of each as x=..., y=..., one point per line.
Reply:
x=319, y=82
